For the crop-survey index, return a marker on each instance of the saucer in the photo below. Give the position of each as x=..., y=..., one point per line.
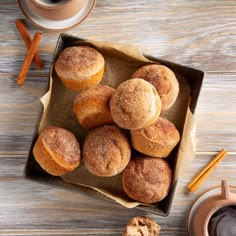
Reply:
x=56, y=25
x=198, y=201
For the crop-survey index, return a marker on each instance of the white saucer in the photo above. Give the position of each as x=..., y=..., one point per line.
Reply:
x=198, y=201
x=56, y=25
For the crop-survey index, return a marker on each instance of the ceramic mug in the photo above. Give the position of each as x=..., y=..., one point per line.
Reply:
x=56, y=9
x=216, y=213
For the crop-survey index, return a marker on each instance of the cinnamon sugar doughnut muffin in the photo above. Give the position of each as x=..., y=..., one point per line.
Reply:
x=135, y=104
x=57, y=151
x=142, y=225
x=163, y=79
x=80, y=67
x=106, y=151
x=147, y=179
x=92, y=108
x=157, y=140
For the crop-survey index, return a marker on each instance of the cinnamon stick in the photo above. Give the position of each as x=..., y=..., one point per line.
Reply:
x=28, y=40
x=206, y=171
x=29, y=57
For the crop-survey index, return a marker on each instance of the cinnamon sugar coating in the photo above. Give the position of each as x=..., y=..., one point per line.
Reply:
x=106, y=151
x=157, y=140
x=163, y=79
x=135, y=104
x=57, y=150
x=80, y=67
x=147, y=179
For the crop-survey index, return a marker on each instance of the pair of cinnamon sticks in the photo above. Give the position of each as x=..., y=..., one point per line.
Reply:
x=206, y=171
x=32, y=45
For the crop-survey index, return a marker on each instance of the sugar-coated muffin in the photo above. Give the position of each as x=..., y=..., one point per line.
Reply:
x=91, y=106
x=106, y=151
x=157, y=140
x=57, y=151
x=80, y=67
x=163, y=79
x=142, y=225
x=147, y=179
x=135, y=104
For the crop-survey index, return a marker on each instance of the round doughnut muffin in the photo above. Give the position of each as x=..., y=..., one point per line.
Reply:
x=80, y=67
x=157, y=139
x=106, y=151
x=147, y=179
x=163, y=79
x=135, y=104
x=91, y=106
x=57, y=151
x=142, y=225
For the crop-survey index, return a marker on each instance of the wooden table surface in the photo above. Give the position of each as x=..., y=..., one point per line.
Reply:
x=199, y=34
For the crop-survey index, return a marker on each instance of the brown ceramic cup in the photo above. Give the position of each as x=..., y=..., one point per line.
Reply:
x=56, y=10
x=210, y=207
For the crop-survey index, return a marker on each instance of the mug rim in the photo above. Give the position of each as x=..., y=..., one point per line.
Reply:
x=51, y=7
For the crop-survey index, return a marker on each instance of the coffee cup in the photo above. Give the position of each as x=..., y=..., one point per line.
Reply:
x=56, y=10
x=216, y=215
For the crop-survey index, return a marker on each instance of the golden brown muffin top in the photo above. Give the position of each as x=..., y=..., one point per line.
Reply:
x=62, y=142
x=134, y=103
x=147, y=179
x=163, y=79
x=106, y=151
x=161, y=131
x=79, y=62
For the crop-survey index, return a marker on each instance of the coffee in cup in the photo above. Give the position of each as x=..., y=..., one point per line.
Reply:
x=223, y=222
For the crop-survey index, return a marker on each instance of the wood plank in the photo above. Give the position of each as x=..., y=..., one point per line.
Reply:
x=12, y=165
x=19, y=109
x=216, y=113
x=81, y=232
x=62, y=232
x=45, y=207
x=198, y=34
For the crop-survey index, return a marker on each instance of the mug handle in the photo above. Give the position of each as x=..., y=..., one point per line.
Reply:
x=225, y=192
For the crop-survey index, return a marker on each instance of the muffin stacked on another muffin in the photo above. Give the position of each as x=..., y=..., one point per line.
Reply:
x=135, y=104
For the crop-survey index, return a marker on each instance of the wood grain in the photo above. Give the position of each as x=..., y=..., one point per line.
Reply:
x=199, y=34
x=49, y=209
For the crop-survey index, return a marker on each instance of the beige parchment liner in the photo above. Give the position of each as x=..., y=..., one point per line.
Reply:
x=121, y=62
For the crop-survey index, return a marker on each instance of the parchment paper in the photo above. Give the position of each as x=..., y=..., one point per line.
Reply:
x=121, y=62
